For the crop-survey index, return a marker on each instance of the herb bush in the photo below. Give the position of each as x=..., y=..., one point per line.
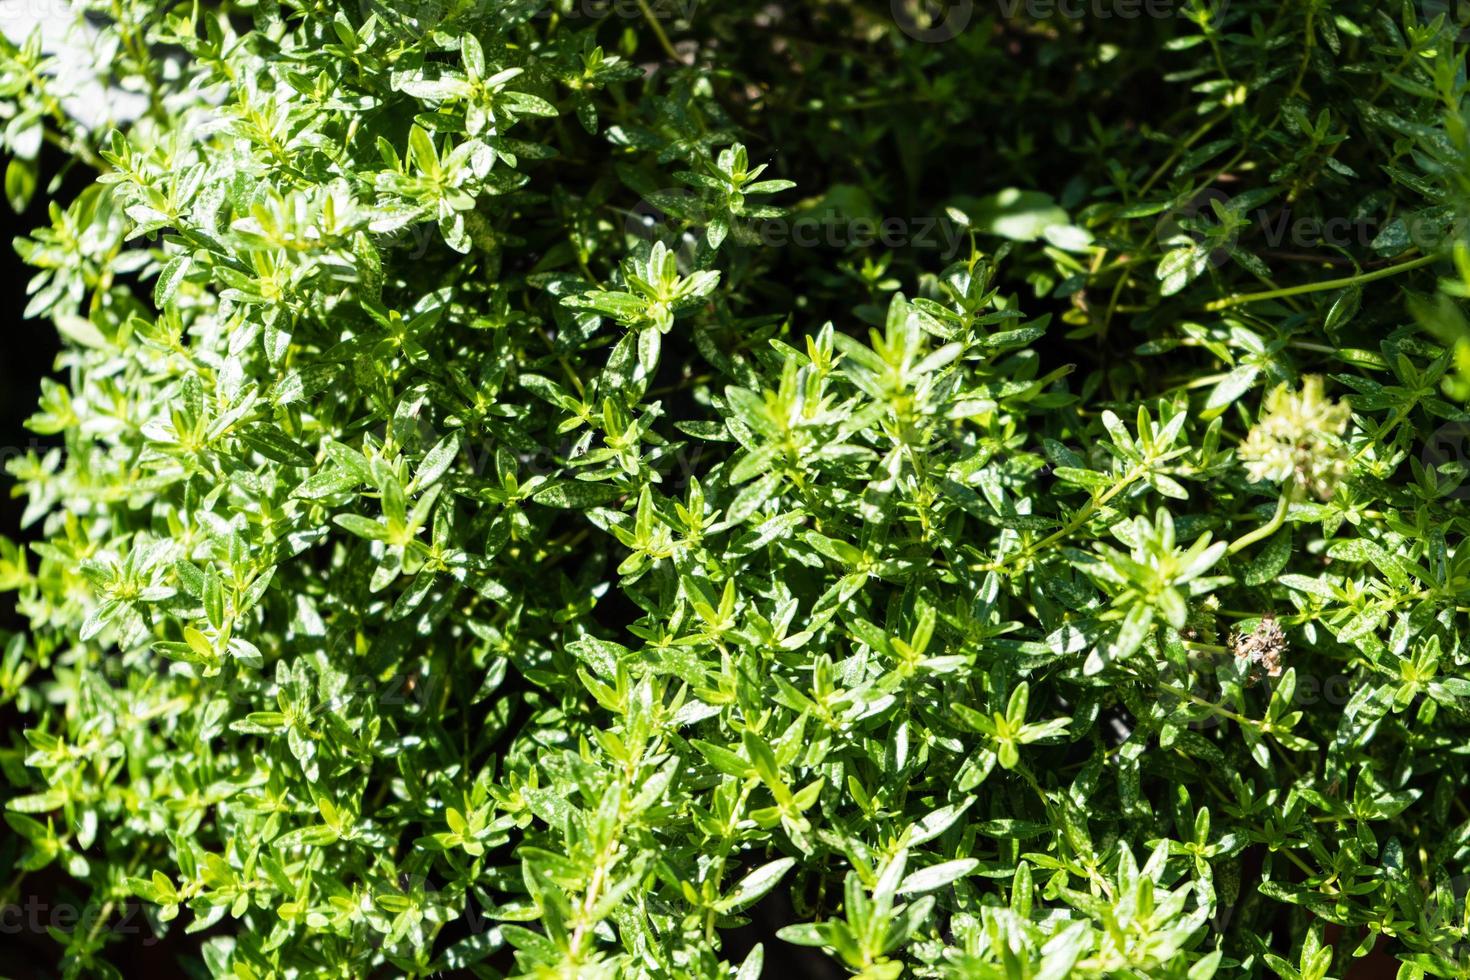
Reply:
x=535, y=486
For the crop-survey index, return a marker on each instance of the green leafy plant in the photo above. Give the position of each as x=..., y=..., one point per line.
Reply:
x=460, y=552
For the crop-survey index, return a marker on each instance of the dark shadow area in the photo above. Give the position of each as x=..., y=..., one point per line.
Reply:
x=29, y=352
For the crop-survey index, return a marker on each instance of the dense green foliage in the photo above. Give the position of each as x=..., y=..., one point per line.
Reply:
x=535, y=479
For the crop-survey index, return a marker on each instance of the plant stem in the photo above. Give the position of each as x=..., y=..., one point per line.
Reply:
x=1240, y=299
x=1265, y=530
x=1081, y=518
x=658, y=30
x=1218, y=709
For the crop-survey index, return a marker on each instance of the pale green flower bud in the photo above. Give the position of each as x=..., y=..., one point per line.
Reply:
x=1299, y=438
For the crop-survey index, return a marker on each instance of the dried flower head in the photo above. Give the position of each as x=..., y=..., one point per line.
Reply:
x=1299, y=437
x=1259, y=651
